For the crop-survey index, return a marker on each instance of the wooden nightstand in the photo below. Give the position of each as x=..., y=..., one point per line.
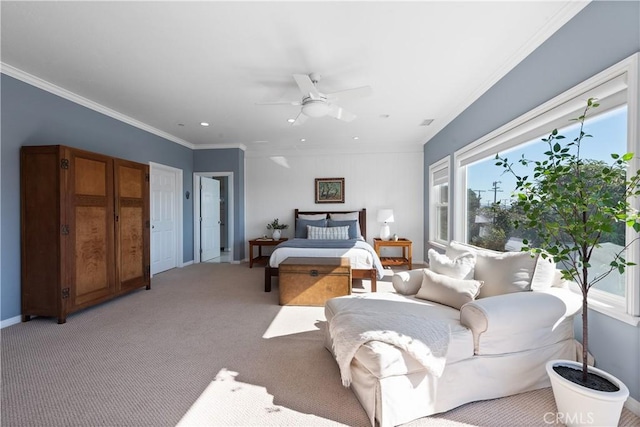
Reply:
x=260, y=243
x=405, y=259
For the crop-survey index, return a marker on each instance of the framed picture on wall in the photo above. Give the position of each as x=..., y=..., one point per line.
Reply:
x=329, y=190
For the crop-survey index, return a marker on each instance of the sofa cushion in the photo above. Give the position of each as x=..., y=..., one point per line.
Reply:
x=446, y=290
x=384, y=360
x=544, y=274
x=504, y=273
x=462, y=267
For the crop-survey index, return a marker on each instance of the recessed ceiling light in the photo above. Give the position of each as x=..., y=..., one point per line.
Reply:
x=356, y=137
x=426, y=122
x=291, y=120
x=302, y=140
x=205, y=124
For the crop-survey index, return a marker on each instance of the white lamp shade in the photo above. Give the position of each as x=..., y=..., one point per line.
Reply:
x=385, y=215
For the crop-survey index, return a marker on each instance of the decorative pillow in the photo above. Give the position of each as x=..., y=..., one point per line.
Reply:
x=544, y=273
x=301, y=226
x=462, y=267
x=313, y=217
x=353, y=226
x=455, y=249
x=349, y=216
x=504, y=272
x=448, y=291
x=328, y=233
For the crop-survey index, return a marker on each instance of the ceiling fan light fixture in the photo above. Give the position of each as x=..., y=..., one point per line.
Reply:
x=315, y=108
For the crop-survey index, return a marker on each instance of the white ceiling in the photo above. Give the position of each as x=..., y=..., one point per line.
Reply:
x=162, y=64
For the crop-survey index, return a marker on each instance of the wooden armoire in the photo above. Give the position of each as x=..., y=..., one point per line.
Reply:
x=85, y=229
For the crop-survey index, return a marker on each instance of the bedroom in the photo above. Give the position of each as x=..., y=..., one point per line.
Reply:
x=266, y=189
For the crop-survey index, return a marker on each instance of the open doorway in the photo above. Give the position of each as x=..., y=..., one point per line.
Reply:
x=213, y=217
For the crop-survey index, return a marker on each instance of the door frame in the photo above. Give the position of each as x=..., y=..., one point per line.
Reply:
x=196, y=212
x=178, y=207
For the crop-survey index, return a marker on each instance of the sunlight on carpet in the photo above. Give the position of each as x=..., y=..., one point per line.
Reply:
x=294, y=319
x=227, y=402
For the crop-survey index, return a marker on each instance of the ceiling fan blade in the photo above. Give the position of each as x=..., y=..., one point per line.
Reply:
x=306, y=86
x=280, y=103
x=300, y=119
x=358, y=92
x=340, y=113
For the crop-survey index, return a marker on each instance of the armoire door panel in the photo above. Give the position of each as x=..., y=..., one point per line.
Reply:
x=132, y=228
x=131, y=182
x=91, y=238
x=90, y=177
x=92, y=254
x=131, y=243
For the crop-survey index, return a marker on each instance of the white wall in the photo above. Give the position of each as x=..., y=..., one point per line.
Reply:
x=275, y=186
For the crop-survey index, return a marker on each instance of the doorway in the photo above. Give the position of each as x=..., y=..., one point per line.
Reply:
x=213, y=222
x=166, y=217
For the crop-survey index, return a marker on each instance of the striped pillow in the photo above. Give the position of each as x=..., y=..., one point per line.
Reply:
x=327, y=233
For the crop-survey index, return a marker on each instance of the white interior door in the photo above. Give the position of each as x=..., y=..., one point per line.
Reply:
x=209, y=218
x=163, y=220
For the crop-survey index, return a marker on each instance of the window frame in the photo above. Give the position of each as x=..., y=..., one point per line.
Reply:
x=613, y=87
x=436, y=178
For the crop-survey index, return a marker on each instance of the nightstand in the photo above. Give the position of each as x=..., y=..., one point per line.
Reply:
x=260, y=243
x=405, y=259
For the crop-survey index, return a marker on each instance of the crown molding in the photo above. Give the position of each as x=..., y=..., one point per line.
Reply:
x=16, y=73
x=553, y=24
x=238, y=146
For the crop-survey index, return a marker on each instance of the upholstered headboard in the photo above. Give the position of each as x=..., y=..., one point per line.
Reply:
x=362, y=217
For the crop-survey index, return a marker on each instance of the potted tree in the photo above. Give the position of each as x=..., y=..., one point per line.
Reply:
x=569, y=202
x=277, y=228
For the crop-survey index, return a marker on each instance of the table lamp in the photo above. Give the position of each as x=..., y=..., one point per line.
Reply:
x=385, y=216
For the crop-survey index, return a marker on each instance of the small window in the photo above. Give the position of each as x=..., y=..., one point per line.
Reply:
x=439, y=206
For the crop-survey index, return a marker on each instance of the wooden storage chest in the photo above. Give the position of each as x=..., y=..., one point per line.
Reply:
x=312, y=281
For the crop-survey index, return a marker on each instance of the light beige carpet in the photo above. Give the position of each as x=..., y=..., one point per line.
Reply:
x=206, y=346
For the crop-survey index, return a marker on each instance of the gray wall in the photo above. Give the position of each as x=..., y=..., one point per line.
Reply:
x=227, y=160
x=31, y=116
x=602, y=34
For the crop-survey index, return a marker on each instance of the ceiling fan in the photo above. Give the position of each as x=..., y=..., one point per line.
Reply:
x=317, y=104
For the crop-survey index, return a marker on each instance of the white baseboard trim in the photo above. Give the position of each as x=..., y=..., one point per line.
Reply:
x=236, y=262
x=11, y=321
x=184, y=264
x=633, y=405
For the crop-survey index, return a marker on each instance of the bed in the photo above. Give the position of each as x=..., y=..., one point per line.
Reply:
x=365, y=263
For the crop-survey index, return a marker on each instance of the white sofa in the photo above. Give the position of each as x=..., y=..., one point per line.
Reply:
x=498, y=342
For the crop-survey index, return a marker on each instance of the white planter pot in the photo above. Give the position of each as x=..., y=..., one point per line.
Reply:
x=582, y=406
x=276, y=234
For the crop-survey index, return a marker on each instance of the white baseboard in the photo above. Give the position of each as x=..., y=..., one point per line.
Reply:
x=633, y=405
x=184, y=264
x=13, y=321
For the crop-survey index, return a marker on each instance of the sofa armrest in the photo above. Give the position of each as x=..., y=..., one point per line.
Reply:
x=408, y=282
x=522, y=317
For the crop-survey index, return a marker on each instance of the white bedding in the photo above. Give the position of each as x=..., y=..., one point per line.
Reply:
x=362, y=256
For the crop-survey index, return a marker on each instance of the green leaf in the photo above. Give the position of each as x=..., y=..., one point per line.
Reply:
x=627, y=157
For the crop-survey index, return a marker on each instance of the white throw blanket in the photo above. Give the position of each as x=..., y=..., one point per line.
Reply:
x=425, y=340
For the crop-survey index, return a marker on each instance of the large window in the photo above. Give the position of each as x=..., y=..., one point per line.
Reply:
x=484, y=215
x=489, y=209
x=439, y=201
